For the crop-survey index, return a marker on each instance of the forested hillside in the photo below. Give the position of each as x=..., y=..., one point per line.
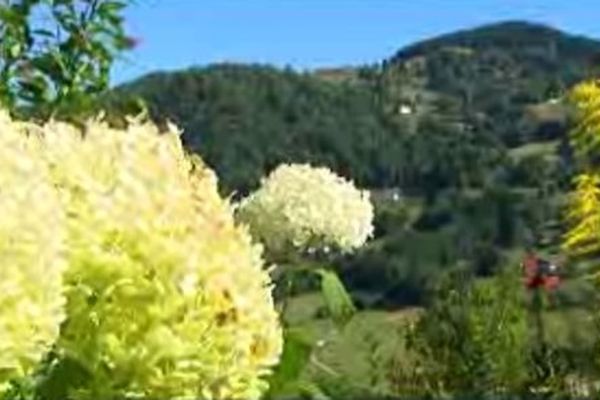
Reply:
x=461, y=138
x=246, y=119
x=491, y=74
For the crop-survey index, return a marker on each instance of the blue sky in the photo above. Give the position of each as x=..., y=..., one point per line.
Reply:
x=308, y=34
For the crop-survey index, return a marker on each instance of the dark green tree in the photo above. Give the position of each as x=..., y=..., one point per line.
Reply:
x=55, y=55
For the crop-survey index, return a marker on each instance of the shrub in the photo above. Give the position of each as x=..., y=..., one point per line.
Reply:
x=471, y=341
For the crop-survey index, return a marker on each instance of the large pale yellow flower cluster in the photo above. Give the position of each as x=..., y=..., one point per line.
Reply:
x=304, y=207
x=166, y=297
x=31, y=256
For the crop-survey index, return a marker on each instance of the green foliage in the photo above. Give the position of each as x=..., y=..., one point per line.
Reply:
x=369, y=359
x=339, y=304
x=472, y=340
x=55, y=55
x=248, y=119
x=415, y=243
x=286, y=377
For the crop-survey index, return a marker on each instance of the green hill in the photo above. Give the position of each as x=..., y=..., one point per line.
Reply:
x=492, y=72
x=245, y=119
x=469, y=92
x=467, y=128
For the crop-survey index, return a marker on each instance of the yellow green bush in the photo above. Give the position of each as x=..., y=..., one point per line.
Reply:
x=166, y=296
x=583, y=215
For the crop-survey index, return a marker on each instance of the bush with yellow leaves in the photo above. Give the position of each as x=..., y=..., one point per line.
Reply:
x=166, y=296
x=300, y=207
x=31, y=253
x=583, y=236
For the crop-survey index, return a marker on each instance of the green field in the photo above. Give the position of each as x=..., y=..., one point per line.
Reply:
x=358, y=355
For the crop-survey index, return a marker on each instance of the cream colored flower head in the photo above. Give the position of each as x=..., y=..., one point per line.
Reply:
x=32, y=238
x=167, y=298
x=305, y=207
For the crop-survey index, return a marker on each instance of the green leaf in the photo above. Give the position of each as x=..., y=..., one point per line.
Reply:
x=60, y=377
x=111, y=7
x=297, y=349
x=15, y=50
x=338, y=301
x=10, y=15
x=35, y=89
x=51, y=65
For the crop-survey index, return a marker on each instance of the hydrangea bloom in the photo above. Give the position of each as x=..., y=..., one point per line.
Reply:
x=167, y=297
x=302, y=206
x=31, y=254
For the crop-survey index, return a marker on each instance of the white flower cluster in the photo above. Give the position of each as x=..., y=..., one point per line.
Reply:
x=306, y=207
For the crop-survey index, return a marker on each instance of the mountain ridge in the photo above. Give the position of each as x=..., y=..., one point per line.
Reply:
x=474, y=36
x=472, y=89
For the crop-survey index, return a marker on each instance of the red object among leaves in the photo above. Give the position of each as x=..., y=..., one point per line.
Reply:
x=551, y=282
x=535, y=277
x=534, y=282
